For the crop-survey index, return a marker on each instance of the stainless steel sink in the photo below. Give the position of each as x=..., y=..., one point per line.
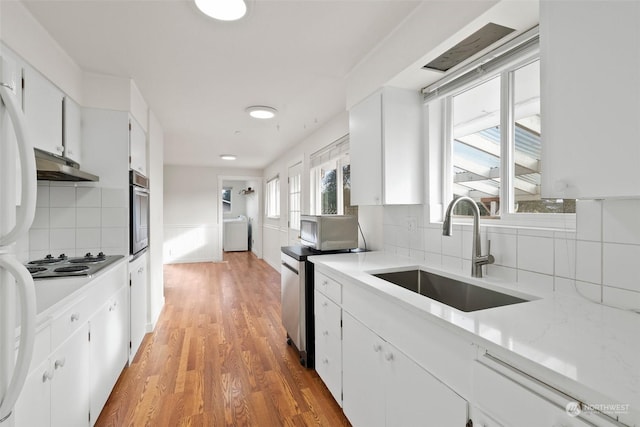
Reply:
x=454, y=293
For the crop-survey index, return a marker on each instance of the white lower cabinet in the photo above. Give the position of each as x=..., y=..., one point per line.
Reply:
x=109, y=349
x=70, y=392
x=383, y=387
x=78, y=356
x=138, y=271
x=328, y=336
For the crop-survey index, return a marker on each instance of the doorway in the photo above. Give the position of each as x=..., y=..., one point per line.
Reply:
x=239, y=219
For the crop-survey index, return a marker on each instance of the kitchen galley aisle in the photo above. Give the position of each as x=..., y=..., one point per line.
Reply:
x=219, y=356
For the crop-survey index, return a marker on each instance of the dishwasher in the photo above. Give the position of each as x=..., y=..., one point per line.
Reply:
x=293, y=305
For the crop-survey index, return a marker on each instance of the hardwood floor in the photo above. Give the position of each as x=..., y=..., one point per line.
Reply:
x=219, y=357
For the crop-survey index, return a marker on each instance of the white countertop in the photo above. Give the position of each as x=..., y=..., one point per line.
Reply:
x=563, y=339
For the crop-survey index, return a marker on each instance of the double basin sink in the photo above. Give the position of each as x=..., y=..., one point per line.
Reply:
x=454, y=293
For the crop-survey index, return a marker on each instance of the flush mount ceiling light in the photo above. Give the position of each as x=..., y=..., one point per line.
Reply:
x=261, y=112
x=227, y=157
x=223, y=10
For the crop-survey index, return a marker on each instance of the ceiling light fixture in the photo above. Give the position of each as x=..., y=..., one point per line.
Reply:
x=223, y=10
x=261, y=112
x=227, y=157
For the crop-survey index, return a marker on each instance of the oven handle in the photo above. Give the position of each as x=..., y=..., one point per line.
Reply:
x=284, y=264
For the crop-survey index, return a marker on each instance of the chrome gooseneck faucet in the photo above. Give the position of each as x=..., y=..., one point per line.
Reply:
x=477, y=260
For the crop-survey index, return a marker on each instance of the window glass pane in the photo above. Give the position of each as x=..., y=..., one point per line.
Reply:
x=476, y=147
x=328, y=190
x=226, y=200
x=273, y=198
x=294, y=202
x=346, y=191
x=527, y=146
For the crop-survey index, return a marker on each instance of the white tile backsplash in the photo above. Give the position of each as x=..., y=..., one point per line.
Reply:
x=504, y=248
x=75, y=219
x=62, y=217
x=433, y=240
x=61, y=197
x=620, y=266
x=88, y=217
x=539, y=281
x=564, y=251
x=452, y=245
x=621, y=298
x=621, y=221
x=589, y=220
x=589, y=261
x=535, y=254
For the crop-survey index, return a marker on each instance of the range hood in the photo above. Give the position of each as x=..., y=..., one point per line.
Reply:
x=56, y=168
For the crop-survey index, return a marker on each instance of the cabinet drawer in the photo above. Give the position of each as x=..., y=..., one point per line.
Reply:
x=326, y=311
x=67, y=323
x=329, y=287
x=513, y=399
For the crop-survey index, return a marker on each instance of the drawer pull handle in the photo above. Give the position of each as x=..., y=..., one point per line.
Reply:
x=377, y=347
x=47, y=376
x=75, y=317
x=59, y=363
x=325, y=304
x=325, y=333
x=325, y=283
x=389, y=357
x=325, y=360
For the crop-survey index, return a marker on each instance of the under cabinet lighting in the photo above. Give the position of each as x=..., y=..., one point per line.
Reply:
x=227, y=157
x=223, y=10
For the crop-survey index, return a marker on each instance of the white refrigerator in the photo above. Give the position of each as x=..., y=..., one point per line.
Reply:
x=17, y=209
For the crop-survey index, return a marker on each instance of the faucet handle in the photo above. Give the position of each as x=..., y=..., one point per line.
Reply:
x=490, y=258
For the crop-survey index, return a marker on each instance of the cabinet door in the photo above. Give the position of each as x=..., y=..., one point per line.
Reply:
x=590, y=131
x=328, y=336
x=415, y=397
x=72, y=130
x=70, y=385
x=137, y=147
x=138, y=302
x=108, y=349
x=363, y=388
x=33, y=407
x=365, y=145
x=43, y=111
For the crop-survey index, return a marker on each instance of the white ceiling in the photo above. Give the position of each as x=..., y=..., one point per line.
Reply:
x=198, y=75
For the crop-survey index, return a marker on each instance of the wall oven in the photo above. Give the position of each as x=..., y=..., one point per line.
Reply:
x=139, y=212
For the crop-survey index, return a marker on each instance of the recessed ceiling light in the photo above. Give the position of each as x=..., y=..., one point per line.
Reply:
x=223, y=10
x=227, y=157
x=261, y=112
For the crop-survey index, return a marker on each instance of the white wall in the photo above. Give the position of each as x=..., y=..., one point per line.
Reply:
x=275, y=231
x=191, y=204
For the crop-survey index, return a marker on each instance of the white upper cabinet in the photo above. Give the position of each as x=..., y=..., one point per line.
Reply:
x=72, y=130
x=385, y=148
x=590, y=75
x=137, y=147
x=43, y=111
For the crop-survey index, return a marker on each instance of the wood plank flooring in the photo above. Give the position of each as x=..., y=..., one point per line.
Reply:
x=219, y=357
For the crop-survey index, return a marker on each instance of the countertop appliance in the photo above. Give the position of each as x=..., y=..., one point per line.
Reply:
x=329, y=232
x=297, y=276
x=63, y=266
x=138, y=212
x=16, y=284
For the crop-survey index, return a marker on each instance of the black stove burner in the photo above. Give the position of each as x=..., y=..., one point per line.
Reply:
x=89, y=258
x=34, y=270
x=49, y=259
x=71, y=269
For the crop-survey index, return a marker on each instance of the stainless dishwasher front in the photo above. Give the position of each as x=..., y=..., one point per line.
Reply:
x=293, y=297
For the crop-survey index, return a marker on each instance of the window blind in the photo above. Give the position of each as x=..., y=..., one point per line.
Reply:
x=489, y=64
x=332, y=151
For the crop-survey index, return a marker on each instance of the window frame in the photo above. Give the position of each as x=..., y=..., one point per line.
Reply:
x=316, y=194
x=441, y=123
x=272, y=198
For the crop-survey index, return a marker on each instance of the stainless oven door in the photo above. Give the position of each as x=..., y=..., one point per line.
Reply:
x=139, y=221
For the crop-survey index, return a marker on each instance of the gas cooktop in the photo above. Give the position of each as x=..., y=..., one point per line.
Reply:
x=63, y=266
